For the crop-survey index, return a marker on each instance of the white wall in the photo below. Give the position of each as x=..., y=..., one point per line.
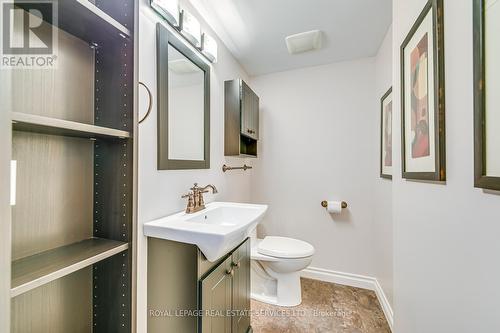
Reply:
x=319, y=141
x=160, y=191
x=446, y=271
x=382, y=190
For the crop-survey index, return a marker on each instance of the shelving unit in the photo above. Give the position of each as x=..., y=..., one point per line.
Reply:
x=73, y=223
x=36, y=270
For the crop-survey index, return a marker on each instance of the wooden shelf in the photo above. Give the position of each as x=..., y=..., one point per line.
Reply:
x=83, y=19
x=33, y=123
x=36, y=270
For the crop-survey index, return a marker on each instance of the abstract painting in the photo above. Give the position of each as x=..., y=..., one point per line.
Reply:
x=386, y=135
x=422, y=97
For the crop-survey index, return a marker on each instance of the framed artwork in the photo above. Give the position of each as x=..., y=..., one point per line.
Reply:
x=422, y=97
x=386, y=135
x=486, y=96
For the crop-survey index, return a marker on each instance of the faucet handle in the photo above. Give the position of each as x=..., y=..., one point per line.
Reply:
x=190, y=204
x=195, y=187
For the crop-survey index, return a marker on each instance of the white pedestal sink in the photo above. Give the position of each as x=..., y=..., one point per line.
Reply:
x=216, y=230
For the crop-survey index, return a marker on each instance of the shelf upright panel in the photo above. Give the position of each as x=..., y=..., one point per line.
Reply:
x=114, y=171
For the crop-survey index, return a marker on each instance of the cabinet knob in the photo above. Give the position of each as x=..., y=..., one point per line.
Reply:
x=236, y=264
x=230, y=272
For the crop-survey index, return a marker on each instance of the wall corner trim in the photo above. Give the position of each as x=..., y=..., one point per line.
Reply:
x=353, y=280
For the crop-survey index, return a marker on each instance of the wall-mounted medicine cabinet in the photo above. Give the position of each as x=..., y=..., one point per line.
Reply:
x=241, y=127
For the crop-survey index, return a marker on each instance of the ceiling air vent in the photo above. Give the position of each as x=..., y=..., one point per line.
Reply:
x=303, y=42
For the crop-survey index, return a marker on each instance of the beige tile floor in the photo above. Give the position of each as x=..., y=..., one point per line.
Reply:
x=325, y=308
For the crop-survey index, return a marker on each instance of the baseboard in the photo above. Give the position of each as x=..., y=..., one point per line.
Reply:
x=384, y=303
x=347, y=279
x=353, y=280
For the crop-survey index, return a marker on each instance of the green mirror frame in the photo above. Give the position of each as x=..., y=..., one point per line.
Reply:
x=164, y=38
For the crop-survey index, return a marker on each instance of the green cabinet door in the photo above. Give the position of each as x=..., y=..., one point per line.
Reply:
x=216, y=293
x=225, y=294
x=246, y=109
x=241, y=288
x=255, y=116
x=249, y=112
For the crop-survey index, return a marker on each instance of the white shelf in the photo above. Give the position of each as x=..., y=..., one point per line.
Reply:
x=46, y=125
x=36, y=270
x=86, y=21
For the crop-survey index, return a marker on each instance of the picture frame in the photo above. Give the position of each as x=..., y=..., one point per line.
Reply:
x=486, y=106
x=423, y=97
x=386, y=153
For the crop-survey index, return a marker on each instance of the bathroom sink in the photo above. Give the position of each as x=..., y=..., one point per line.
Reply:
x=216, y=230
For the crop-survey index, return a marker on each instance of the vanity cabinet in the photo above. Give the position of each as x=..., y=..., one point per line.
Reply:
x=241, y=119
x=187, y=293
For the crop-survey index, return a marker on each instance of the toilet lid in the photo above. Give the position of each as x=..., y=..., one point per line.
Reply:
x=283, y=247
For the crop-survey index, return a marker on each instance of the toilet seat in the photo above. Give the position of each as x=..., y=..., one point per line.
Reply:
x=255, y=255
x=284, y=247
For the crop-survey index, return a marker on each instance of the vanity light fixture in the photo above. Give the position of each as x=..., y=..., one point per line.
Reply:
x=191, y=28
x=169, y=9
x=304, y=41
x=188, y=25
x=209, y=47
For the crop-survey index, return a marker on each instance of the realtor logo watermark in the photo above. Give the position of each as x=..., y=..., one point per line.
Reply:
x=27, y=40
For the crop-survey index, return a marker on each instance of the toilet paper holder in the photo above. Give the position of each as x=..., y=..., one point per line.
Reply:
x=324, y=204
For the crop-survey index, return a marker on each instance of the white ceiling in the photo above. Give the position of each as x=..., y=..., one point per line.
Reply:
x=255, y=30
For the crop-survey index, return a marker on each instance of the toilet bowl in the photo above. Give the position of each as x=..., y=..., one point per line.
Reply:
x=276, y=265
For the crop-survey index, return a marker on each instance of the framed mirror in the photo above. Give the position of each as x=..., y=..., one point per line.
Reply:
x=183, y=99
x=486, y=97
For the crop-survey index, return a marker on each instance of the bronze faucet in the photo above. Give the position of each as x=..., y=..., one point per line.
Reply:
x=195, y=198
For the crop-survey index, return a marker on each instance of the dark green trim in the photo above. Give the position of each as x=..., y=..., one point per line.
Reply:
x=382, y=175
x=163, y=39
x=436, y=6
x=481, y=180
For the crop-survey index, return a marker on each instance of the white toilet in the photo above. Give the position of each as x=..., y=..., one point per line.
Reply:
x=276, y=265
